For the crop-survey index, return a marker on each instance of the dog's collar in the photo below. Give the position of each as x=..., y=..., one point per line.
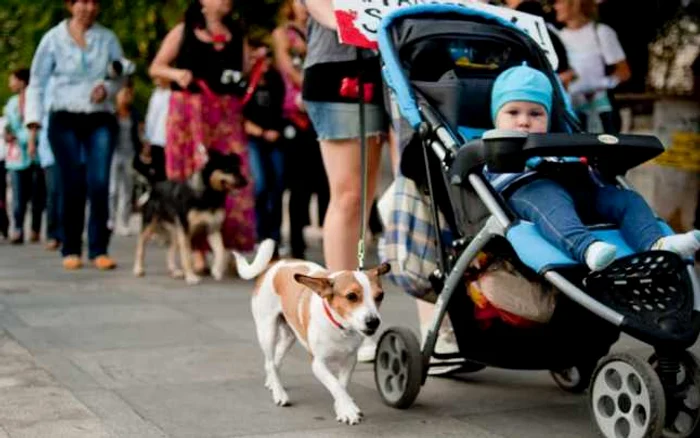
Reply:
x=330, y=317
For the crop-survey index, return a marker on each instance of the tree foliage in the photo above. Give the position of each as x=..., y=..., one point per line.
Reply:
x=139, y=24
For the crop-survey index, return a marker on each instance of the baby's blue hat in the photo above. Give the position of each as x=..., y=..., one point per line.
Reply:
x=521, y=83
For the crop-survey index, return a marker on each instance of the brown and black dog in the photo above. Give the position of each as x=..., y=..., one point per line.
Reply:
x=185, y=209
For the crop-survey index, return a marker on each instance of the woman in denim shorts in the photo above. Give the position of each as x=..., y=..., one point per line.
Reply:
x=330, y=94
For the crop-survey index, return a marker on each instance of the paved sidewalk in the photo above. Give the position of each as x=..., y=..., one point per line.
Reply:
x=92, y=355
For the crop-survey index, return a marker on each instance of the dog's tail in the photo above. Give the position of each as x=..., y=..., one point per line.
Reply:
x=248, y=271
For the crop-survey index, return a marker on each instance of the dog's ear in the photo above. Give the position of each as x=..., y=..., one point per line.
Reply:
x=323, y=286
x=380, y=270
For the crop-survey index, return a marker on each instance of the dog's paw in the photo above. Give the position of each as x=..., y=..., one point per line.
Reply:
x=176, y=273
x=139, y=271
x=280, y=397
x=192, y=279
x=347, y=412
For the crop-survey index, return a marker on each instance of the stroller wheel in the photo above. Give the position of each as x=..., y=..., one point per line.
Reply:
x=398, y=367
x=575, y=379
x=626, y=398
x=683, y=404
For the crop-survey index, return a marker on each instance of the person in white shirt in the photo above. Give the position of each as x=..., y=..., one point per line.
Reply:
x=598, y=59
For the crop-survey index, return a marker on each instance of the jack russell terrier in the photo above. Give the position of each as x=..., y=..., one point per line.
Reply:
x=329, y=313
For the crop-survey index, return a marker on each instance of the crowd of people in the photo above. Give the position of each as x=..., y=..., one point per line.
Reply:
x=71, y=133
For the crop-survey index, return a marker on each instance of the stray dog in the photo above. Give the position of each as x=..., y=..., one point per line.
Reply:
x=329, y=313
x=182, y=210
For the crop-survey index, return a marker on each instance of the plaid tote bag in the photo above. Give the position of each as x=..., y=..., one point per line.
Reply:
x=409, y=242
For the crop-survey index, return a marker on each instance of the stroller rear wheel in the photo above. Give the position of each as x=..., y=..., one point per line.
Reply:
x=626, y=398
x=574, y=379
x=398, y=367
x=683, y=396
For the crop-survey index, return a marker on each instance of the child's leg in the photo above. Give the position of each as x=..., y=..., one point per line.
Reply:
x=21, y=191
x=126, y=191
x=628, y=209
x=551, y=208
x=638, y=224
x=38, y=198
x=4, y=221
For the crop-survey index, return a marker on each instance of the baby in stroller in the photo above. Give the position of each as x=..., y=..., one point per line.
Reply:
x=521, y=100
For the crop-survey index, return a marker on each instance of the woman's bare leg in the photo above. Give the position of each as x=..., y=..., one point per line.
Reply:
x=341, y=227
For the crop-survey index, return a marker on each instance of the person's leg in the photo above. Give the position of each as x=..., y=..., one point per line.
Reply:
x=52, y=210
x=21, y=190
x=551, y=208
x=4, y=220
x=98, y=162
x=66, y=147
x=275, y=190
x=257, y=170
x=38, y=200
x=638, y=224
x=341, y=230
x=158, y=162
x=126, y=191
x=628, y=209
x=113, y=191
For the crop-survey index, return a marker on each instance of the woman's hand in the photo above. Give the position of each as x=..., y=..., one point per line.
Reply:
x=183, y=78
x=98, y=94
x=270, y=136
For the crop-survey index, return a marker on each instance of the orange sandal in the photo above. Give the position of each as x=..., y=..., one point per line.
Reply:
x=104, y=263
x=72, y=262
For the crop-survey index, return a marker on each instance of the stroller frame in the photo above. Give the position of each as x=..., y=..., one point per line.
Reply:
x=460, y=166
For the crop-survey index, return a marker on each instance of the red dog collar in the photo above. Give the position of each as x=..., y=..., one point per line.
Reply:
x=328, y=313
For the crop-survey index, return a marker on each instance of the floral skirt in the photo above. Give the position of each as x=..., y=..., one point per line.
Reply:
x=217, y=123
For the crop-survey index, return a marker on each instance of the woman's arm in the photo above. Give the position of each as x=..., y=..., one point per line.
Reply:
x=283, y=60
x=160, y=67
x=622, y=71
x=322, y=12
x=41, y=70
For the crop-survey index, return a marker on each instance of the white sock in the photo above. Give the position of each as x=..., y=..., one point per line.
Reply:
x=685, y=245
x=600, y=255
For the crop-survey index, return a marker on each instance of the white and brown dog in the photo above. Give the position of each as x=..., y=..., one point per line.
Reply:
x=329, y=313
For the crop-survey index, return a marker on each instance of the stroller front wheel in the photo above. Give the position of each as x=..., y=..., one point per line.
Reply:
x=398, y=367
x=626, y=398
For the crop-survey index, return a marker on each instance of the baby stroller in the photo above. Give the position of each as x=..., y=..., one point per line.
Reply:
x=446, y=140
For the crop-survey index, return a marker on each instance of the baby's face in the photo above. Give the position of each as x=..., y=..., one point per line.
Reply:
x=522, y=116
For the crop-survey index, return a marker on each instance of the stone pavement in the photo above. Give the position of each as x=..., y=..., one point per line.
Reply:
x=93, y=355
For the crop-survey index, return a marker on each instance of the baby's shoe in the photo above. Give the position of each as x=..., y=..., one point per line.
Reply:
x=685, y=245
x=600, y=255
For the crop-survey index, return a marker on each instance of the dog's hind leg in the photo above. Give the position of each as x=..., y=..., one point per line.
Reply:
x=175, y=272
x=216, y=242
x=268, y=331
x=285, y=340
x=145, y=234
x=183, y=240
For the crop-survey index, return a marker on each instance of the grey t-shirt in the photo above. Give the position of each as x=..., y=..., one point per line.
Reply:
x=125, y=145
x=323, y=47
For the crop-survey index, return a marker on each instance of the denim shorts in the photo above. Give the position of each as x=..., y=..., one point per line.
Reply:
x=341, y=121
